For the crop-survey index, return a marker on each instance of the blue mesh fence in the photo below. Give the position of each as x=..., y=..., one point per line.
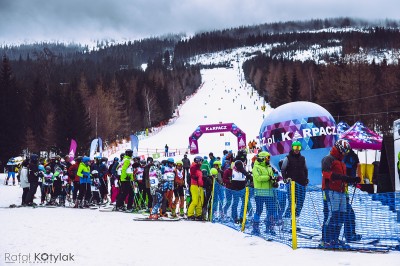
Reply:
x=353, y=220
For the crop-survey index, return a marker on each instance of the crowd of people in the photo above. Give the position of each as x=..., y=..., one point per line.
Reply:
x=183, y=188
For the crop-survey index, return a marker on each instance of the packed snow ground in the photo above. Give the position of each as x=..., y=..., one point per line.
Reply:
x=109, y=238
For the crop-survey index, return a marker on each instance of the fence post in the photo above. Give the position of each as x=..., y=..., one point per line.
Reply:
x=212, y=199
x=246, y=202
x=293, y=212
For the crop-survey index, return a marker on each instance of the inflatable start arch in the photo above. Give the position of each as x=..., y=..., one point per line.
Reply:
x=216, y=128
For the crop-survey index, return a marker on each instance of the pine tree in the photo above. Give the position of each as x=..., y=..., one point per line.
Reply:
x=294, y=92
x=281, y=92
x=11, y=113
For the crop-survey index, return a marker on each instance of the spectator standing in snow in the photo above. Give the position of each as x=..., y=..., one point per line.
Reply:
x=33, y=177
x=24, y=182
x=294, y=167
x=166, y=150
x=186, y=167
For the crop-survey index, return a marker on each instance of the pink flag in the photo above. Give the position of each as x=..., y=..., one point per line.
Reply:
x=72, y=149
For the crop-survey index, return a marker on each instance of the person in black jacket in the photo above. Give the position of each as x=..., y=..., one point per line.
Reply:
x=294, y=167
x=239, y=179
x=186, y=167
x=146, y=180
x=33, y=177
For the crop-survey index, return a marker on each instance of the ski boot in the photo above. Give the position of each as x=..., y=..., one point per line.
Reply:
x=270, y=230
x=153, y=216
x=256, y=229
x=181, y=212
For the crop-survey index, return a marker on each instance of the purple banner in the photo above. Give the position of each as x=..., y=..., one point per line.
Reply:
x=216, y=128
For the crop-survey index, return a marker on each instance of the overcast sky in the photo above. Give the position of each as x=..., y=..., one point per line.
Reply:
x=85, y=20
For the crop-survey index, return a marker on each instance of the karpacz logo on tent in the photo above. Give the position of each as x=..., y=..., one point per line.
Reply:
x=307, y=133
x=216, y=128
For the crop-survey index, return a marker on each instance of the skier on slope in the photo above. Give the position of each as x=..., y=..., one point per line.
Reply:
x=146, y=180
x=33, y=177
x=263, y=178
x=84, y=182
x=72, y=172
x=294, y=167
x=179, y=188
x=101, y=168
x=168, y=172
x=138, y=173
x=24, y=182
x=156, y=189
x=239, y=179
x=126, y=185
x=196, y=190
x=334, y=182
x=112, y=171
x=219, y=190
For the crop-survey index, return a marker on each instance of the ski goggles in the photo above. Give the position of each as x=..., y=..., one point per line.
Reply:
x=296, y=148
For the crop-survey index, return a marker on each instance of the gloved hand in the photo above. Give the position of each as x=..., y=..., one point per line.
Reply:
x=354, y=180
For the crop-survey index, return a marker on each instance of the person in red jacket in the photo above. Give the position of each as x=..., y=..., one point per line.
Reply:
x=334, y=183
x=196, y=190
x=72, y=172
x=227, y=180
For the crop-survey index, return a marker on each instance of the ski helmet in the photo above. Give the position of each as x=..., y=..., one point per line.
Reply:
x=343, y=146
x=217, y=162
x=262, y=155
x=95, y=172
x=296, y=145
x=213, y=171
x=34, y=158
x=85, y=159
x=198, y=159
x=129, y=152
x=142, y=162
x=170, y=160
x=179, y=163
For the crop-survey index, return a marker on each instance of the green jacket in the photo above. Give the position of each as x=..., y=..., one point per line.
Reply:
x=126, y=173
x=262, y=174
x=205, y=166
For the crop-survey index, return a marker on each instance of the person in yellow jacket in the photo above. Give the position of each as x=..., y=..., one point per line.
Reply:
x=263, y=178
x=84, y=183
x=126, y=183
x=196, y=190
